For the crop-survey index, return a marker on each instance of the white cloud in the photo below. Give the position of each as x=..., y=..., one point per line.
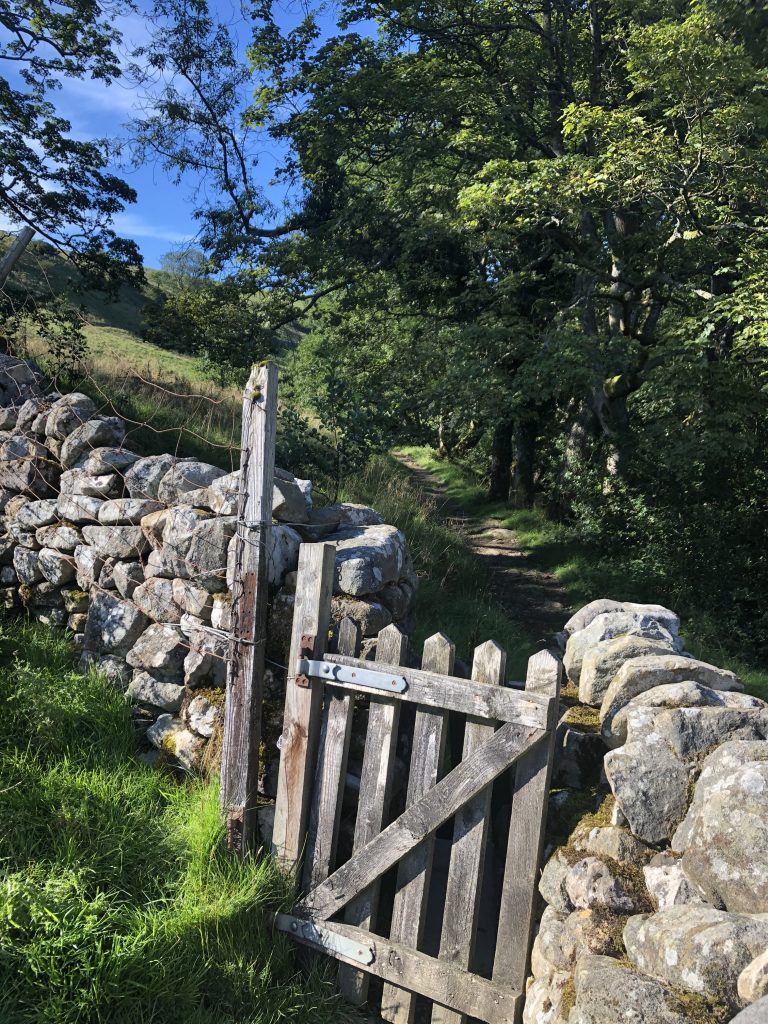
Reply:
x=134, y=226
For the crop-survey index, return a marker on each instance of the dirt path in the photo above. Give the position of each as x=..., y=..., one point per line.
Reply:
x=532, y=597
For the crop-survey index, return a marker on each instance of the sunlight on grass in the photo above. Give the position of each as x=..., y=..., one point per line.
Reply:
x=117, y=902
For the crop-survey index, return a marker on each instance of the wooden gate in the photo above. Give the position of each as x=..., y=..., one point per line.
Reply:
x=377, y=906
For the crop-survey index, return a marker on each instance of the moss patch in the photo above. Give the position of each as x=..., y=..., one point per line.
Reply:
x=567, y=1000
x=584, y=716
x=700, y=1010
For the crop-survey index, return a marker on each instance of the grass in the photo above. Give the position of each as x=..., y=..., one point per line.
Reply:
x=117, y=904
x=584, y=572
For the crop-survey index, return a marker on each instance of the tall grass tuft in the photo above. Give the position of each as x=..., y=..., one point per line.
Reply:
x=117, y=903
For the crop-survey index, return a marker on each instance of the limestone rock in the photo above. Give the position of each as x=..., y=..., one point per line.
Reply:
x=757, y=1013
x=584, y=616
x=127, y=576
x=61, y=538
x=185, y=475
x=88, y=565
x=641, y=674
x=206, y=661
x=368, y=558
x=552, y=883
x=208, y=547
x=321, y=522
x=608, y=991
x=27, y=565
x=288, y=502
x=120, y=542
x=109, y=460
x=608, y=626
x=34, y=514
x=667, y=883
x=155, y=598
x=127, y=511
x=283, y=544
x=222, y=494
x=221, y=612
x=753, y=981
x=160, y=649
x=650, y=785
x=352, y=514
x=602, y=661
x=179, y=525
x=616, y=843
x=203, y=716
x=67, y=413
x=103, y=485
x=145, y=688
x=95, y=433
x=77, y=508
x=697, y=948
x=20, y=379
x=143, y=478
x=75, y=601
x=687, y=694
x=592, y=885
x=26, y=467
x=114, y=625
x=112, y=667
x=727, y=854
x=370, y=616
x=56, y=566
x=192, y=598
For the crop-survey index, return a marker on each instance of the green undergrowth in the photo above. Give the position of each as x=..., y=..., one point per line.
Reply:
x=587, y=574
x=117, y=902
x=453, y=596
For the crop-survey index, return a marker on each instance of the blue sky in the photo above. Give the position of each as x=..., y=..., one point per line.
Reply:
x=161, y=219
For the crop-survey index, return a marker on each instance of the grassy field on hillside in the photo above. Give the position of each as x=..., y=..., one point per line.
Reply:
x=585, y=572
x=117, y=902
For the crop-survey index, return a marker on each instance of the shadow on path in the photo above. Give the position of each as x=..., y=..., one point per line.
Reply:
x=532, y=597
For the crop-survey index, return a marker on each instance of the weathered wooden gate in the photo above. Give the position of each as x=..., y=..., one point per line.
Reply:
x=340, y=912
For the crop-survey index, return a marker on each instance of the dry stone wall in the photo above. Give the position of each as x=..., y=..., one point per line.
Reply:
x=656, y=904
x=134, y=556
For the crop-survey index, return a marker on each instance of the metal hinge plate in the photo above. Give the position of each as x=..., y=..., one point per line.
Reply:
x=331, y=942
x=368, y=677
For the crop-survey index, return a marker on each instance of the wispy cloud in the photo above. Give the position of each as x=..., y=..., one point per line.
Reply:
x=134, y=226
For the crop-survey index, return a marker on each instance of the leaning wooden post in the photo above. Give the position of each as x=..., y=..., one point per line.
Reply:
x=245, y=668
x=526, y=835
x=14, y=254
x=303, y=704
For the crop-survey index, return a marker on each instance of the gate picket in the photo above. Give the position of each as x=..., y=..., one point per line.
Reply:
x=410, y=906
x=375, y=792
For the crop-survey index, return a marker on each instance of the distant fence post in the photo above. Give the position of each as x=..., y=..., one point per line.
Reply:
x=245, y=668
x=13, y=255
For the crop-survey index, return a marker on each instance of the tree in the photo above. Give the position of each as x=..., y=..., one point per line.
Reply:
x=56, y=184
x=183, y=269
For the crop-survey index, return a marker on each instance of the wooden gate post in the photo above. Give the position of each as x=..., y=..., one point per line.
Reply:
x=526, y=835
x=245, y=668
x=303, y=705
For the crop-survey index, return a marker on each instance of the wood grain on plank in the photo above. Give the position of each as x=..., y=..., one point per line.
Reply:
x=414, y=871
x=375, y=793
x=250, y=596
x=439, y=980
x=465, y=872
x=301, y=722
x=421, y=819
x=433, y=690
x=328, y=790
x=526, y=836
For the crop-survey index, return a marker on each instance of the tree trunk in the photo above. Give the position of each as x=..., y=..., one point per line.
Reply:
x=523, y=486
x=501, y=461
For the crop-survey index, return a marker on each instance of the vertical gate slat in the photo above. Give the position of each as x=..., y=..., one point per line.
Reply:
x=375, y=792
x=526, y=837
x=409, y=910
x=465, y=873
x=301, y=722
x=331, y=770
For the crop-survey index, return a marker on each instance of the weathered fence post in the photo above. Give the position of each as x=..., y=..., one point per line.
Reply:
x=13, y=255
x=303, y=704
x=245, y=669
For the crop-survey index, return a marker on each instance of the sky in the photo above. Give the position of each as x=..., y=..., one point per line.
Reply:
x=161, y=219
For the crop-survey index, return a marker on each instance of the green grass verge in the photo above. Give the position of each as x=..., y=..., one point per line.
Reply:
x=585, y=573
x=117, y=904
x=454, y=596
